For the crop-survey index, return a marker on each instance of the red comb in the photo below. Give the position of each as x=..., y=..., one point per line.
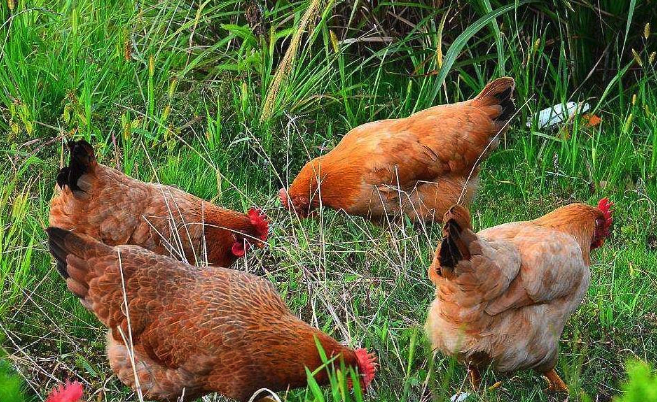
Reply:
x=69, y=392
x=605, y=205
x=259, y=220
x=366, y=365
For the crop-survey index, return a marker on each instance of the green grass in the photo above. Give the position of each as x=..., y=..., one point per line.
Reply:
x=641, y=384
x=180, y=92
x=11, y=385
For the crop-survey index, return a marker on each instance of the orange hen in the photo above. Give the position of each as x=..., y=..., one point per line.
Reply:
x=418, y=166
x=195, y=330
x=504, y=294
x=109, y=206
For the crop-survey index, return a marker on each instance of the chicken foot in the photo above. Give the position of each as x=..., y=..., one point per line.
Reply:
x=475, y=377
x=556, y=384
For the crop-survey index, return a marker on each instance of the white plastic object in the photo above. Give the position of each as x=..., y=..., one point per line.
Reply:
x=460, y=397
x=557, y=114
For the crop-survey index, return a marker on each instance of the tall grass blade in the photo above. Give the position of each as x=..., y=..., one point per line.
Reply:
x=458, y=44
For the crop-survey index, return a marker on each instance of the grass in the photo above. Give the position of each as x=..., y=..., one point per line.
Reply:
x=189, y=93
x=10, y=384
x=641, y=383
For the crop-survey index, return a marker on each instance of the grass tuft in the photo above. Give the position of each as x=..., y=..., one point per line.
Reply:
x=228, y=99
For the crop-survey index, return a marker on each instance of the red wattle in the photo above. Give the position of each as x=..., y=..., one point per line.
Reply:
x=238, y=249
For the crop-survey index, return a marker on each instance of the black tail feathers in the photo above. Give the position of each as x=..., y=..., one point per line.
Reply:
x=499, y=92
x=508, y=105
x=457, y=236
x=450, y=252
x=82, y=159
x=62, y=243
x=56, y=245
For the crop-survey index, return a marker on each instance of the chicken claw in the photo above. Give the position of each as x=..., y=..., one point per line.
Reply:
x=556, y=384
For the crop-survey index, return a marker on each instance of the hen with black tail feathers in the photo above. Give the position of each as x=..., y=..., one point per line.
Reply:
x=504, y=294
x=101, y=202
x=416, y=166
x=196, y=330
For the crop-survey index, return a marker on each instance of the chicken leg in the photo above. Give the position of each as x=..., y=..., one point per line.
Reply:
x=556, y=384
x=475, y=377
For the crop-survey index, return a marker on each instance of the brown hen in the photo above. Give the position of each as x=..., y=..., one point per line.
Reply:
x=418, y=166
x=109, y=206
x=503, y=295
x=194, y=330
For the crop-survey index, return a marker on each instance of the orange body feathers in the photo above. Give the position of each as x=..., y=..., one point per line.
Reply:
x=417, y=166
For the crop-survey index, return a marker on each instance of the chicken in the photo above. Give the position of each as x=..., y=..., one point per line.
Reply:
x=107, y=205
x=418, y=166
x=68, y=392
x=195, y=330
x=503, y=295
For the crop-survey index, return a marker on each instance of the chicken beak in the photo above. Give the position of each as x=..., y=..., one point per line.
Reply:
x=287, y=203
x=285, y=199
